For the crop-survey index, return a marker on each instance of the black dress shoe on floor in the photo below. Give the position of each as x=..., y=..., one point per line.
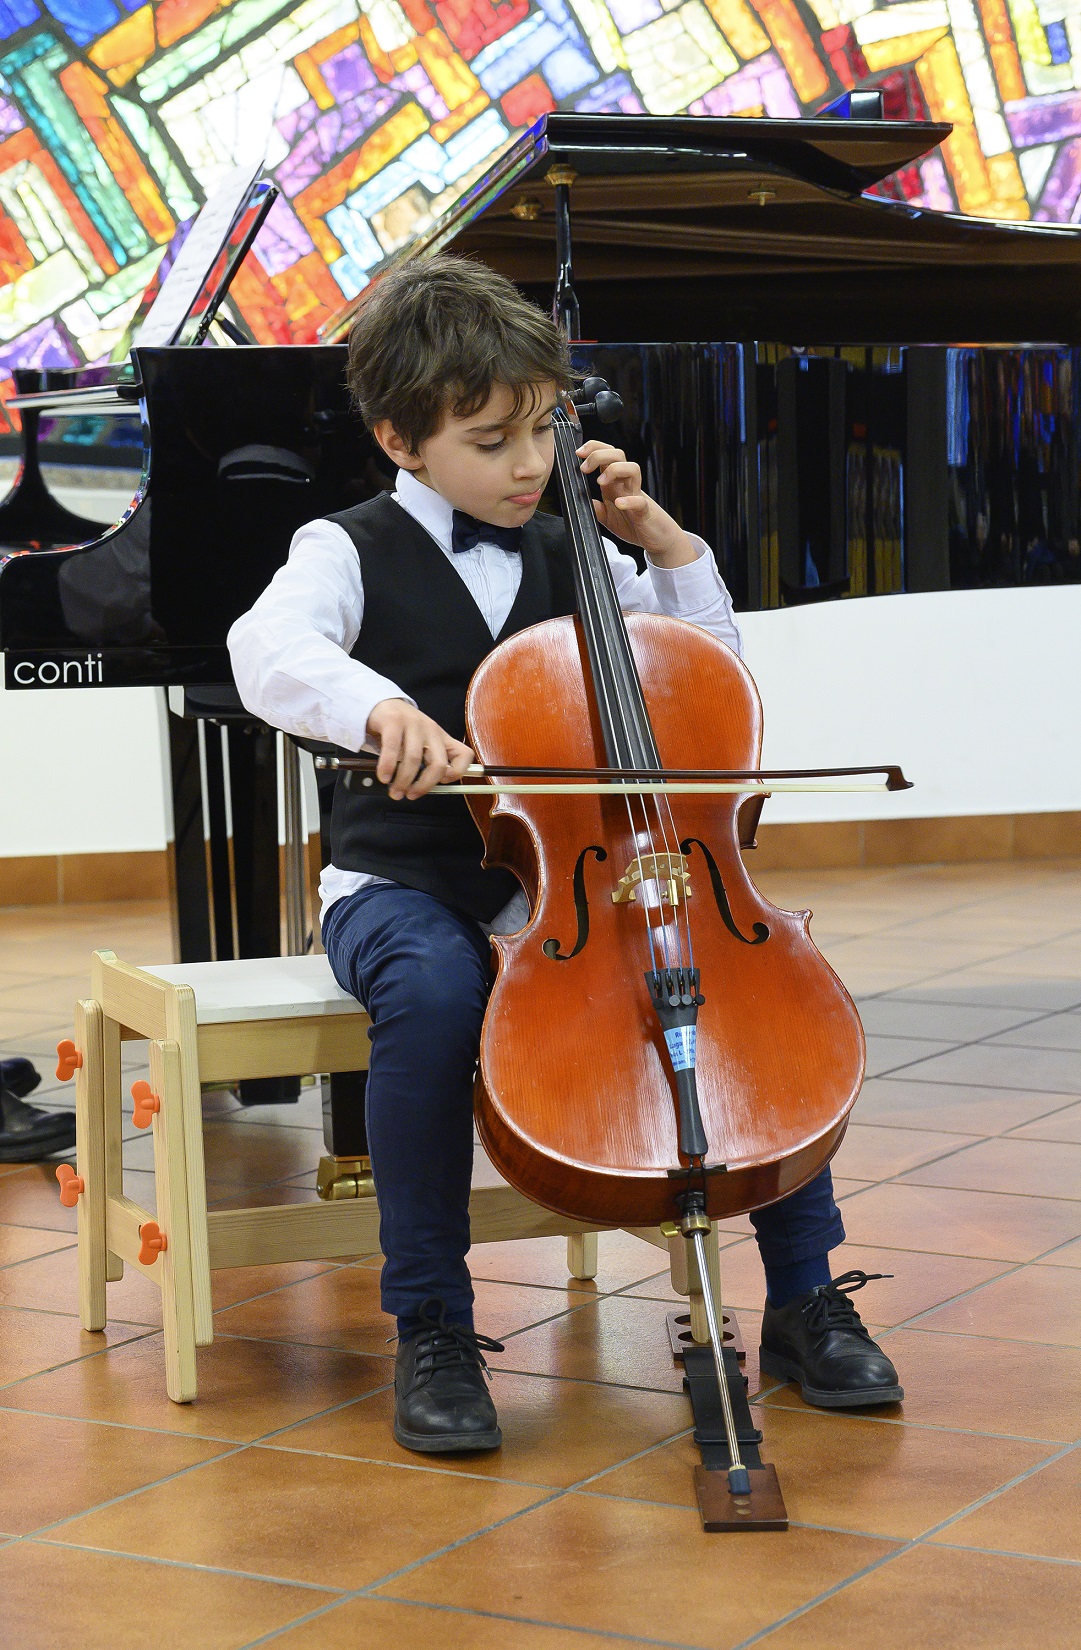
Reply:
x=441, y=1398
x=818, y=1341
x=27, y=1133
x=19, y=1076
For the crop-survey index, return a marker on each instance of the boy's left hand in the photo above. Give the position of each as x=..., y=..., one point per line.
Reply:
x=631, y=514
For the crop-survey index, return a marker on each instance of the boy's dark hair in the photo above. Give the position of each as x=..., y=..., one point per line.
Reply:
x=437, y=334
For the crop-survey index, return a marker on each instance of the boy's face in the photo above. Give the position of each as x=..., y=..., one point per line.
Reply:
x=491, y=465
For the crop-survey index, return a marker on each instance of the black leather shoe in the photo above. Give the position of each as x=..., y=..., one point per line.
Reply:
x=441, y=1398
x=818, y=1341
x=27, y=1133
x=19, y=1076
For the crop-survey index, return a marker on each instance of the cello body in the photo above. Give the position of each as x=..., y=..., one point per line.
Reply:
x=575, y=1096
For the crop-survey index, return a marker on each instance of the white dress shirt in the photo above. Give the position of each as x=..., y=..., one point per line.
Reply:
x=291, y=651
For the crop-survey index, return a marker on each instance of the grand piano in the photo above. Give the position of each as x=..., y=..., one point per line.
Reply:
x=844, y=394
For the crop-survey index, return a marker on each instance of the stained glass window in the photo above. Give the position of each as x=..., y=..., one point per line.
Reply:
x=117, y=117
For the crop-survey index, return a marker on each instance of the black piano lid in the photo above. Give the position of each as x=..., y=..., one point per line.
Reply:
x=628, y=156
x=845, y=154
x=744, y=228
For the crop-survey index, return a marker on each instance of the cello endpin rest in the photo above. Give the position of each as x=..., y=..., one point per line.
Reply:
x=725, y=1510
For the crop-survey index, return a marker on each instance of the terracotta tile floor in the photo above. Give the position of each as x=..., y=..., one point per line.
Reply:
x=278, y=1509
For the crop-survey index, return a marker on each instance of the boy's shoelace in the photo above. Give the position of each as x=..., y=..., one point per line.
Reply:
x=441, y=1345
x=831, y=1308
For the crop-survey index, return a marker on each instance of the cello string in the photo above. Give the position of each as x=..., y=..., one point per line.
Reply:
x=662, y=808
x=571, y=477
x=619, y=645
x=616, y=711
x=605, y=593
x=603, y=597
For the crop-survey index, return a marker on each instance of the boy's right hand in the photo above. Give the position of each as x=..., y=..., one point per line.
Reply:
x=414, y=752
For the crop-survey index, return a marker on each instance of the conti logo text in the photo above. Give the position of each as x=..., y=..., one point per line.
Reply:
x=59, y=672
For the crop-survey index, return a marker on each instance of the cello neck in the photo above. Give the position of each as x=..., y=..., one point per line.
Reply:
x=624, y=719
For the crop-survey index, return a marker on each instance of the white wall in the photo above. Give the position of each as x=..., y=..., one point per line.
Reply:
x=82, y=772
x=977, y=694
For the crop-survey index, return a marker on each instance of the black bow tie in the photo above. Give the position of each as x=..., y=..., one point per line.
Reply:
x=467, y=532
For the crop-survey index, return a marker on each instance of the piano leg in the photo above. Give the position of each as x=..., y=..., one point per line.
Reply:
x=221, y=881
x=189, y=893
x=253, y=794
x=346, y=1170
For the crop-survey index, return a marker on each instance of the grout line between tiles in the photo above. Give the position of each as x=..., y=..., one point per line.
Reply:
x=1008, y=1552
x=463, y=1541
x=9, y=1265
x=55, y=1312
x=128, y=1495
x=299, y=1621
x=1010, y=1269
x=977, y=1335
x=65, y=1363
x=327, y=1267
x=410, y=1466
x=907, y=1547
x=187, y=1564
x=309, y=1346
x=923, y=1426
x=483, y=1615
x=120, y=1426
x=981, y=1191
x=342, y=1595
x=1069, y=1101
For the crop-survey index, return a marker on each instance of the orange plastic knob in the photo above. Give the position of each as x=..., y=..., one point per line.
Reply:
x=146, y=1103
x=69, y=1060
x=72, y=1185
x=153, y=1242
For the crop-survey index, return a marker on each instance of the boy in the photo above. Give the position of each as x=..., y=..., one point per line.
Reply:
x=368, y=637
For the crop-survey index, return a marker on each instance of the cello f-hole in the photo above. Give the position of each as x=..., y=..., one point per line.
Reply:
x=760, y=930
x=552, y=948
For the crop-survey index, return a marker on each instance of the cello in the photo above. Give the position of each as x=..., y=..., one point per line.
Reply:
x=661, y=1043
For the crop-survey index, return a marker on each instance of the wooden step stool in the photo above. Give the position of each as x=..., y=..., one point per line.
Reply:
x=220, y=1023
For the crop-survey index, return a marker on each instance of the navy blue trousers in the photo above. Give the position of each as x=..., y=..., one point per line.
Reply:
x=422, y=972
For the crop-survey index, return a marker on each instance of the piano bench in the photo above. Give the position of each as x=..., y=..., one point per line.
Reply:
x=216, y=1023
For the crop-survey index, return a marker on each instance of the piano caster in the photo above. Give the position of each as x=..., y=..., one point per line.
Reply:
x=340, y=1177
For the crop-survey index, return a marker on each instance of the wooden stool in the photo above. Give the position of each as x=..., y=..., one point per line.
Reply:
x=220, y=1023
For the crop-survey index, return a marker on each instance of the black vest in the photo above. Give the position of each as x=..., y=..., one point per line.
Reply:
x=423, y=630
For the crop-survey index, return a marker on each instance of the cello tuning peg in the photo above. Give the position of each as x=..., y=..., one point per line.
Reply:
x=593, y=399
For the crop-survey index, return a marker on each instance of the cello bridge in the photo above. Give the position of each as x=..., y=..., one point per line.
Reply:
x=671, y=873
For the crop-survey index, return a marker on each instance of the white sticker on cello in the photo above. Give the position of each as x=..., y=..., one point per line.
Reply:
x=681, y=1047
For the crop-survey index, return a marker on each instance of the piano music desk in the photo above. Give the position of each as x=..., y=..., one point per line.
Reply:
x=219, y=1023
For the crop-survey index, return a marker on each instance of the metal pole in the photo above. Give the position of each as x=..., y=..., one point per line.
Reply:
x=295, y=851
x=739, y=1482
x=565, y=311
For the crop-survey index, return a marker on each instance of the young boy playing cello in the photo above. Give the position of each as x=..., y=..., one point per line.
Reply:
x=368, y=638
